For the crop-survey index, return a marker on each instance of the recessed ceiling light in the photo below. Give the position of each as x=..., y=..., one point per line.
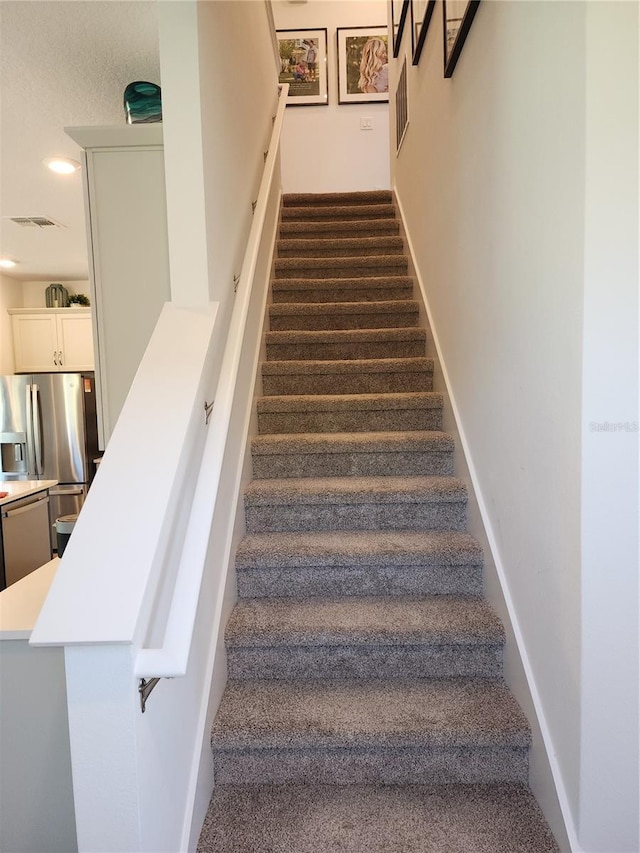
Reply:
x=62, y=165
x=7, y=263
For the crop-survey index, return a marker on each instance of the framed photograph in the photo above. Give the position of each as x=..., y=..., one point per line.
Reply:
x=457, y=16
x=303, y=65
x=422, y=12
x=399, y=11
x=363, y=67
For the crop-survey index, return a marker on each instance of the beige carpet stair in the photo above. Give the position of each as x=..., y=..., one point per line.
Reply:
x=365, y=709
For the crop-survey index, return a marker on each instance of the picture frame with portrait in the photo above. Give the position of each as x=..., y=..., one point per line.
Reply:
x=363, y=67
x=303, y=65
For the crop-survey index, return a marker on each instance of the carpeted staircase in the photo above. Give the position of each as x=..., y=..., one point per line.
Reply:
x=365, y=708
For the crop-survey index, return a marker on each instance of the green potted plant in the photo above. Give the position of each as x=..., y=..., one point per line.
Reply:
x=78, y=299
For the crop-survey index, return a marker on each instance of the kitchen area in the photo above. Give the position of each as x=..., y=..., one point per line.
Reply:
x=48, y=444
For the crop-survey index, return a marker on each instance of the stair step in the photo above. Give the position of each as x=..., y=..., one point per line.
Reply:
x=355, y=503
x=341, y=198
x=312, y=316
x=363, y=289
x=398, y=412
x=327, y=228
x=382, y=563
x=390, y=732
x=377, y=818
x=336, y=212
x=350, y=376
x=363, y=454
x=364, y=638
x=355, y=266
x=339, y=247
x=345, y=344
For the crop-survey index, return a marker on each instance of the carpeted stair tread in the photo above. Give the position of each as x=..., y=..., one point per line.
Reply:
x=376, y=819
x=337, y=367
x=365, y=454
x=362, y=442
x=320, y=336
x=364, y=638
x=345, y=344
x=364, y=227
x=339, y=247
x=311, y=316
x=354, y=563
x=306, y=413
x=332, y=199
x=281, y=309
x=302, y=213
x=358, y=288
x=347, y=376
x=355, y=503
x=385, y=715
x=357, y=402
x=387, y=621
x=354, y=490
x=371, y=548
x=354, y=266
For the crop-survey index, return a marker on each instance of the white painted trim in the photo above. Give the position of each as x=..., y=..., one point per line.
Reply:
x=115, y=136
x=495, y=553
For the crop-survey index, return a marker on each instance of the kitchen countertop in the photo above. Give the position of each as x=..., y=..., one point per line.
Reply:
x=20, y=603
x=23, y=488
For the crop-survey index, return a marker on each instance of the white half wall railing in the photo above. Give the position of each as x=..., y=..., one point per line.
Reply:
x=139, y=592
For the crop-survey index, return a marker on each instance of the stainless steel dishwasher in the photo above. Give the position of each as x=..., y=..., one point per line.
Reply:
x=26, y=542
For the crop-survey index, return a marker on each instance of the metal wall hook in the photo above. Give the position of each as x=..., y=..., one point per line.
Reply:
x=254, y=204
x=236, y=281
x=208, y=408
x=265, y=154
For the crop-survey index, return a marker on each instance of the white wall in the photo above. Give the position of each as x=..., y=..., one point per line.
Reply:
x=492, y=179
x=10, y=297
x=323, y=148
x=609, y=732
x=34, y=296
x=214, y=140
x=35, y=770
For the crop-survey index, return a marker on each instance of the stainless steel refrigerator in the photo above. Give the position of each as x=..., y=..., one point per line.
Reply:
x=48, y=431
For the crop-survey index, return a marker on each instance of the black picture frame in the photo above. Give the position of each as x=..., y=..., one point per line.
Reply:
x=351, y=42
x=456, y=29
x=311, y=88
x=421, y=14
x=399, y=10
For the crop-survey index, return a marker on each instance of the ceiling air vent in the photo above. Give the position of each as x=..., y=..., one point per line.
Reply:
x=34, y=222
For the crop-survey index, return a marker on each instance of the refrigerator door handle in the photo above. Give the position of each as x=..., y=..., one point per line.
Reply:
x=31, y=449
x=37, y=438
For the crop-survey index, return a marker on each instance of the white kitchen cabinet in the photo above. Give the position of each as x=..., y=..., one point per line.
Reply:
x=52, y=340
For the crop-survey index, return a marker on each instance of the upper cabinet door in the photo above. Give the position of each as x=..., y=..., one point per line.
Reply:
x=35, y=343
x=75, y=343
x=52, y=340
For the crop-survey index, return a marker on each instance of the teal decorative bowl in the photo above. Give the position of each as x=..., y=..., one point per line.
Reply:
x=142, y=102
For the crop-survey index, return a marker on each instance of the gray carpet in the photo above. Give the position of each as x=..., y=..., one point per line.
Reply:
x=375, y=819
x=365, y=708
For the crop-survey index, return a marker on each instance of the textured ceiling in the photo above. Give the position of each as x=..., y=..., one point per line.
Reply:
x=62, y=64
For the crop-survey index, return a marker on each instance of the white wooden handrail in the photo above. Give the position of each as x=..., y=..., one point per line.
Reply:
x=171, y=658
